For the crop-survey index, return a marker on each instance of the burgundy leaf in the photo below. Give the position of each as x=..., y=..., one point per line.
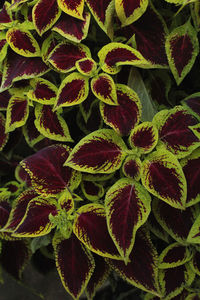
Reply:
x=17, y=67
x=46, y=170
x=3, y=135
x=74, y=263
x=4, y=15
x=4, y=99
x=132, y=167
x=14, y=257
x=72, y=28
x=192, y=103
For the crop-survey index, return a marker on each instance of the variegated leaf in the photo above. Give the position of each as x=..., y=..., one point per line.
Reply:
x=191, y=170
x=127, y=206
x=57, y=129
x=129, y=11
x=182, y=47
x=144, y=137
x=72, y=8
x=30, y=132
x=45, y=14
x=194, y=263
x=163, y=176
x=177, y=223
x=65, y=55
x=102, y=151
x=100, y=274
x=4, y=99
x=71, y=28
x=17, y=113
x=75, y=264
x=43, y=91
x=22, y=42
x=126, y=115
x=3, y=47
x=3, y=134
x=174, y=131
x=36, y=221
x=92, y=190
x=73, y=90
x=194, y=234
x=132, y=167
x=112, y=56
x=192, y=104
x=17, y=67
x=86, y=66
x=97, y=238
x=142, y=268
x=103, y=87
x=45, y=168
x=174, y=255
x=170, y=287
x=19, y=208
x=103, y=12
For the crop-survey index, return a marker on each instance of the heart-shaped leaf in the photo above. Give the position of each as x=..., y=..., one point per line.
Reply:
x=45, y=168
x=73, y=29
x=127, y=206
x=98, y=240
x=132, y=167
x=126, y=115
x=50, y=13
x=163, y=176
x=102, y=151
x=182, y=47
x=129, y=11
x=75, y=263
x=73, y=90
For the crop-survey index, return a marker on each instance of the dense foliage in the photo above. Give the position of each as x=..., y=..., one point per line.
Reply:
x=100, y=143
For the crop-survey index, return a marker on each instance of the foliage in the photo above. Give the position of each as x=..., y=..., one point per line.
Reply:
x=100, y=142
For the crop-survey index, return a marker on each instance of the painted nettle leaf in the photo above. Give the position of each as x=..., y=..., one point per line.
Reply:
x=127, y=206
x=102, y=151
x=3, y=134
x=86, y=66
x=182, y=48
x=92, y=190
x=192, y=104
x=72, y=8
x=131, y=167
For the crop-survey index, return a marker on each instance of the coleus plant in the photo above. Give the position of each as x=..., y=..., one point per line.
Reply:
x=100, y=142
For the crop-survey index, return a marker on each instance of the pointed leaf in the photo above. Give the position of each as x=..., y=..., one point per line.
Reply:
x=174, y=131
x=92, y=190
x=103, y=87
x=45, y=168
x=163, y=176
x=103, y=12
x=14, y=257
x=144, y=137
x=127, y=206
x=170, y=287
x=17, y=67
x=45, y=14
x=57, y=129
x=98, y=277
x=73, y=29
x=3, y=134
x=126, y=115
x=191, y=170
x=182, y=47
x=96, y=239
x=129, y=11
x=43, y=91
x=102, y=151
x=86, y=66
x=19, y=208
x=30, y=132
x=36, y=219
x=141, y=271
x=22, y=42
x=192, y=104
x=177, y=226
x=64, y=56
x=74, y=263
x=174, y=255
x=17, y=113
x=73, y=90
x=132, y=167
x=72, y=8
x=114, y=55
